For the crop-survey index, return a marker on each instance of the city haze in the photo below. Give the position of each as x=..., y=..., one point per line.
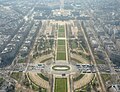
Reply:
x=59, y=46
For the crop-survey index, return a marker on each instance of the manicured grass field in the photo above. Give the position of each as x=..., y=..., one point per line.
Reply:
x=61, y=42
x=61, y=48
x=61, y=29
x=61, y=56
x=61, y=34
x=60, y=85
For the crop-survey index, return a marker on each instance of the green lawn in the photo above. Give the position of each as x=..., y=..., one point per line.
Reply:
x=16, y=75
x=79, y=77
x=61, y=34
x=21, y=61
x=36, y=87
x=61, y=48
x=100, y=61
x=1, y=81
x=74, y=45
x=61, y=42
x=106, y=77
x=61, y=56
x=43, y=77
x=60, y=85
x=61, y=29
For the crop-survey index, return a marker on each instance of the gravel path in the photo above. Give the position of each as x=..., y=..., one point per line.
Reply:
x=83, y=81
x=80, y=59
x=39, y=81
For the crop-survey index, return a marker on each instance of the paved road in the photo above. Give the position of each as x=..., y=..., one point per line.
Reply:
x=103, y=89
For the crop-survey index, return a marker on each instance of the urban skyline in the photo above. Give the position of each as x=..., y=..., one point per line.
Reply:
x=59, y=46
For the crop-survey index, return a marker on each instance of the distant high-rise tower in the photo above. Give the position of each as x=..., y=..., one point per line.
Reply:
x=61, y=4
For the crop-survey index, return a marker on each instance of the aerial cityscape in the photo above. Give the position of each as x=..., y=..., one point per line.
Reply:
x=59, y=45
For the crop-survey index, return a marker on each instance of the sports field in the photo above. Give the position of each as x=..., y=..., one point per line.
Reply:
x=60, y=85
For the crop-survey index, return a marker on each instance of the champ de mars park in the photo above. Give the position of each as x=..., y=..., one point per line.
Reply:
x=61, y=62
